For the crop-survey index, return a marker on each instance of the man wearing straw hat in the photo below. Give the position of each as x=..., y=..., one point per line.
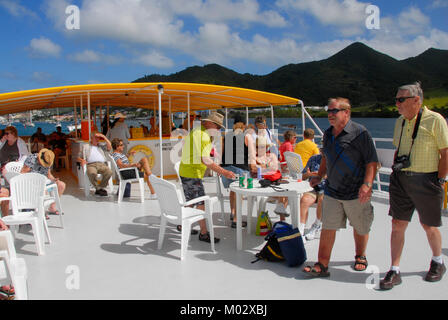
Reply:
x=41, y=162
x=196, y=159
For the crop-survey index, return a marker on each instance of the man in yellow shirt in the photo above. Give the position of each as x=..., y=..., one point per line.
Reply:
x=196, y=159
x=419, y=171
x=306, y=148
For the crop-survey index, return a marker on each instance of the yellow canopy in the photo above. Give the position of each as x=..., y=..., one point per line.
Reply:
x=141, y=95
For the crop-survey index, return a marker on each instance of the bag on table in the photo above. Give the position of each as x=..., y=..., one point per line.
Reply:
x=264, y=224
x=273, y=176
x=290, y=242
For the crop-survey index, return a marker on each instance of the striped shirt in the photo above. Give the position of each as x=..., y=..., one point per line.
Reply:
x=120, y=156
x=347, y=156
x=432, y=136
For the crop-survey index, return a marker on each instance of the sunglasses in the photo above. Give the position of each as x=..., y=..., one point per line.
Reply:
x=6, y=133
x=403, y=99
x=334, y=111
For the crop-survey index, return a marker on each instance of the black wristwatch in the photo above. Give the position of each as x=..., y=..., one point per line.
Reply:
x=441, y=181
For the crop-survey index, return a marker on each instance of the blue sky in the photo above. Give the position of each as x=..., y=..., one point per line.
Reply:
x=122, y=40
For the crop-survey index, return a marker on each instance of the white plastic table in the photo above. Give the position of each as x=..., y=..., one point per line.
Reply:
x=293, y=190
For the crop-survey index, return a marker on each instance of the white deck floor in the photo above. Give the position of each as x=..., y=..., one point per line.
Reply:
x=114, y=248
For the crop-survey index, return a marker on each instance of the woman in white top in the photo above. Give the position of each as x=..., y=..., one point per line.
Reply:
x=12, y=148
x=120, y=131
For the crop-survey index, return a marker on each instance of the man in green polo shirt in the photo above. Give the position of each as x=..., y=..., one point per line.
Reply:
x=196, y=159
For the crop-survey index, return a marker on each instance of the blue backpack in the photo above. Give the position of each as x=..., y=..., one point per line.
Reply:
x=291, y=243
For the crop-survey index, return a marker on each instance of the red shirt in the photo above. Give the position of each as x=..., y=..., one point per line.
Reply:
x=286, y=146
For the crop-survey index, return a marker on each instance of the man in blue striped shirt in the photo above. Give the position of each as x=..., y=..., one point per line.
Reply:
x=350, y=163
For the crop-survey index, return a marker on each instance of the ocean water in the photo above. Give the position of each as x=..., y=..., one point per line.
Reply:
x=378, y=127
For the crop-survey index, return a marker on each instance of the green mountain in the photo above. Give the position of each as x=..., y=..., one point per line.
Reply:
x=365, y=76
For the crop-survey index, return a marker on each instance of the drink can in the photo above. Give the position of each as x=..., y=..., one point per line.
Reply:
x=241, y=181
x=250, y=183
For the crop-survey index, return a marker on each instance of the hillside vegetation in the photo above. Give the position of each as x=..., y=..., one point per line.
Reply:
x=367, y=77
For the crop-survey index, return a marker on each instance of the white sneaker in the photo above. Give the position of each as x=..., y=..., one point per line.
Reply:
x=152, y=196
x=280, y=209
x=311, y=234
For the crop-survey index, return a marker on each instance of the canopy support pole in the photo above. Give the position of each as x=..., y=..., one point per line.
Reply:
x=227, y=122
x=170, y=114
x=81, y=111
x=272, y=117
x=88, y=114
x=160, y=92
x=108, y=118
x=247, y=116
x=188, y=114
x=75, y=115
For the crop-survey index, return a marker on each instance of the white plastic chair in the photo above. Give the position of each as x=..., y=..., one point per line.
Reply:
x=88, y=185
x=65, y=160
x=180, y=191
x=13, y=169
x=123, y=182
x=294, y=162
x=174, y=210
x=219, y=195
x=28, y=193
x=15, y=268
x=53, y=196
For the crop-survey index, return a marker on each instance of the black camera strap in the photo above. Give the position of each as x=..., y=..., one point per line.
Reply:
x=414, y=134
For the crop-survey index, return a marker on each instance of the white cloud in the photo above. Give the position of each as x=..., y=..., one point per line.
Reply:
x=347, y=16
x=407, y=34
x=9, y=75
x=413, y=21
x=149, y=28
x=439, y=4
x=16, y=9
x=399, y=48
x=90, y=56
x=129, y=21
x=41, y=77
x=43, y=47
x=245, y=11
x=215, y=43
x=154, y=59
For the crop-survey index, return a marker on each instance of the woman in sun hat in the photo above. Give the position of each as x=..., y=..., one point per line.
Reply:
x=120, y=131
x=41, y=162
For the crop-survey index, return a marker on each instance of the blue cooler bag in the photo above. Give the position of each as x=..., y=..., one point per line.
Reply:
x=291, y=243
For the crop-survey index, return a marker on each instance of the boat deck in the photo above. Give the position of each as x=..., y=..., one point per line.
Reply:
x=109, y=251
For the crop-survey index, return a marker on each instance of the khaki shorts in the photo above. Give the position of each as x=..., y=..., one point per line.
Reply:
x=336, y=212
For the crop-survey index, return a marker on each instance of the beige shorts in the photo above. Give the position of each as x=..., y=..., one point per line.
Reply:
x=336, y=212
x=313, y=194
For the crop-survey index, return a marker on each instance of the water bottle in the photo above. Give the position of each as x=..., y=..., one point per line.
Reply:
x=259, y=177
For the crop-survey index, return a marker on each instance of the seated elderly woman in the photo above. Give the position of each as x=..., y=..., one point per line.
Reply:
x=123, y=162
x=12, y=148
x=268, y=162
x=41, y=163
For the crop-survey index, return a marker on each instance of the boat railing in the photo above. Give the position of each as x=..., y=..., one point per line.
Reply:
x=385, y=158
